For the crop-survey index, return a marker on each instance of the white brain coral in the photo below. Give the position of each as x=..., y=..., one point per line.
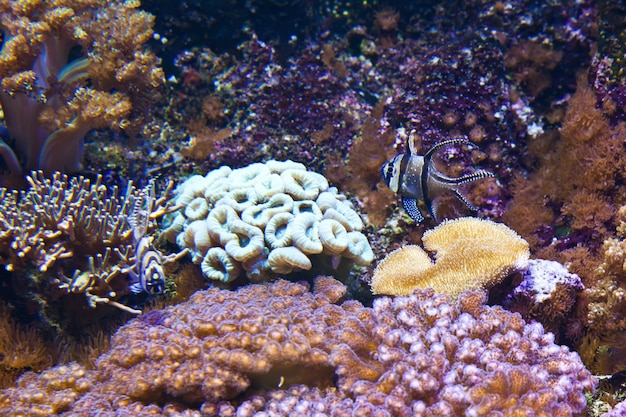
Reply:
x=265, y=219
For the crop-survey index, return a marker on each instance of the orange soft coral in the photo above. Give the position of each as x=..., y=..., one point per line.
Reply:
x=51, y=102
x=366, y=157
x=574, y=187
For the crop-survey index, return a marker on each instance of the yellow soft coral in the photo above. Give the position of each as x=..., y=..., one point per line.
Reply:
x=51, y=99
x=470, y=254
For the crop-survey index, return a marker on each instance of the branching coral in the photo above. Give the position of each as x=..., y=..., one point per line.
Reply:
x=470, y=254
x=51, y=101
x=279, y=349
x=58, y=219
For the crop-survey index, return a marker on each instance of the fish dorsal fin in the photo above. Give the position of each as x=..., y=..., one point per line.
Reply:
x=428, y=155
x=426, y=170
x=410, y=144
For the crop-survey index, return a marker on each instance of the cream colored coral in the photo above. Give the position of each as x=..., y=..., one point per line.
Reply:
x=304, y=185
x=359, y=249
x=175, y=227
x=248, y=176
x=286, y=260
x=193, y=187
x=259, y=215
x=278, y=230
x=196, y=237
x=305, y=233
x=470, y=253
x=219, y=223
x=248, y=244
x=255, y=210
x=307, y=206
x=197, y=209
x=269, y=186
x=333, y=236
x=218, y=174
x=278, y=167
x=218, y=265
x=239, y=199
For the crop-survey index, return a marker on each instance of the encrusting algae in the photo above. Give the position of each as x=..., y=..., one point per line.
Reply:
x=470, y=254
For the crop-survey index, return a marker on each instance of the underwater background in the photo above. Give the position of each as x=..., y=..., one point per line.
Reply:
x=194, y=220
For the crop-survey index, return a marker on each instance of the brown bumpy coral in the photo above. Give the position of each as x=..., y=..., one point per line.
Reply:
x=280, y=350
x=604, y=318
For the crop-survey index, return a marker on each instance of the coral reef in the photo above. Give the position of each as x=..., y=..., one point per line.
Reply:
x=244, y=352
x=51, y=98
x=470, y=253
x=601, y=319
x=546, y=293
x=352, y=84
x=338, y=86
x=65, y=243
x=21, y=349
x=568, y=208
x=266, y=220
x=574, y=192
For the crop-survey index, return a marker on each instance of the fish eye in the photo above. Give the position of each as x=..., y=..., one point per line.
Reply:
x=387, y=170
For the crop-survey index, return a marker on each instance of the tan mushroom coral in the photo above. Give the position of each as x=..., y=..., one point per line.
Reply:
x=470, y=253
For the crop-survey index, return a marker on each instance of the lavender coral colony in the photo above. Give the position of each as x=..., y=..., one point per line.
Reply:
x=279, y=349
x=193, y=206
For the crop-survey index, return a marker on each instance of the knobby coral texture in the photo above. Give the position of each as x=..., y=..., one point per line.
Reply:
x=68, y=67
x=278, y=349
x=64, y=242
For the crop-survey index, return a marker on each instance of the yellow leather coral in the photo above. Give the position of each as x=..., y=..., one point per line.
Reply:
x=470, y=253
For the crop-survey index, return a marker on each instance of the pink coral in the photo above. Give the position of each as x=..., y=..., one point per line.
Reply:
x=277, y=349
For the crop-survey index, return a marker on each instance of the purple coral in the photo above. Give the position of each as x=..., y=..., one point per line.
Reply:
x=546, y=293
x=278, y=349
